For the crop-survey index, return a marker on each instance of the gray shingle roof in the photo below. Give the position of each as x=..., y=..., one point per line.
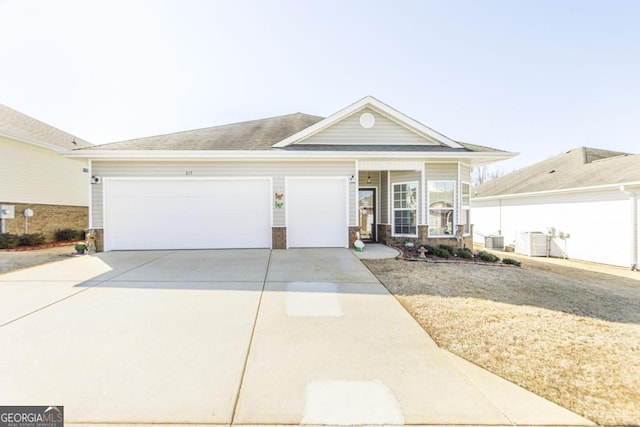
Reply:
x=16, y=124
x=251, y=135
x=580, y=167
x=261, y=135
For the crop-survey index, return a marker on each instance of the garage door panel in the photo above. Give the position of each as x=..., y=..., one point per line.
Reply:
x=188, y=214
x=317, y=212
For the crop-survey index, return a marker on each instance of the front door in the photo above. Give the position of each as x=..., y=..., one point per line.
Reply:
x=367, y=212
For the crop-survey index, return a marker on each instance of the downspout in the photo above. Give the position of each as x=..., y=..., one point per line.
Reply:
x=634, y=227
x=500, y=217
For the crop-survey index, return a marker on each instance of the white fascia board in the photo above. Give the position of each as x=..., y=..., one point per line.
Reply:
x=197, y=155
x=32, y=142
x=615, y=187
x=382, y=108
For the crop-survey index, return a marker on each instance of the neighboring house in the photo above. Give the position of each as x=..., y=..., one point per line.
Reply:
x=284, y=182
x=34, y=175
x=585, y=200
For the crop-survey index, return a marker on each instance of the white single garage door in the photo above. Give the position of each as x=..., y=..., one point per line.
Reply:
x=187, y=213
x=316, y=212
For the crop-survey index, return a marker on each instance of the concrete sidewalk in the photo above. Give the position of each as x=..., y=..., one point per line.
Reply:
x=237, y=337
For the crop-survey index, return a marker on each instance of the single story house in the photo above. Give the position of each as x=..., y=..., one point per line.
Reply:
x=585, y=202
x=292, y=181
x=37, y=179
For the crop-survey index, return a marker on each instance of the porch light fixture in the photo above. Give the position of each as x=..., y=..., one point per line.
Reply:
x=369, y=178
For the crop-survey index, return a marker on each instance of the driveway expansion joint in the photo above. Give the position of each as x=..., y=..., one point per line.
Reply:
x=86, y=288
x=253, y=331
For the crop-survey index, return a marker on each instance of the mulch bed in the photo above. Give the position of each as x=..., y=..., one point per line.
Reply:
x=42, y=246
x=412, y=254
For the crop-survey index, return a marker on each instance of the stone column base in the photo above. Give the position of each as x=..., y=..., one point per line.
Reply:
x=279, y=237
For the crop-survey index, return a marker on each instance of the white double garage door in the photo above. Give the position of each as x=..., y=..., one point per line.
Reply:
x=222, y=213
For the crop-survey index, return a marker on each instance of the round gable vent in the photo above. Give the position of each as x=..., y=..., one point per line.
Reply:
x=367, y=120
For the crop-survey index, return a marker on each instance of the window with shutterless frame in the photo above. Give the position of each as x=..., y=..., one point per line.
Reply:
x=441, y=198
x=405, y=209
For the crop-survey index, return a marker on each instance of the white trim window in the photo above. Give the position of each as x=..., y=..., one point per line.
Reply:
x=441, y=208
x=405, y=209
x=465, y=196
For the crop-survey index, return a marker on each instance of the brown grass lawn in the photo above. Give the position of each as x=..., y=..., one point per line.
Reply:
x=569, y=335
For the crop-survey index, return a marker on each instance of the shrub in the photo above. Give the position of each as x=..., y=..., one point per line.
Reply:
x=486, y=256
x=511, y=261
x=464, y=253
x=68, y=234
x=31, y=239
x=447, y=248
x=8, y=240
x=441, y=252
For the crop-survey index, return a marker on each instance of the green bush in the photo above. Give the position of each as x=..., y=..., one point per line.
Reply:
x=441, y=252
x=8, y=240
x=447, y=248
x=68, y=234
x=31, y=239
x=486, y=256
x=511, y=261
x=464, y=253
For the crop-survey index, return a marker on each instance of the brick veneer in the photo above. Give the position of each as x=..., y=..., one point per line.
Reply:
x=385, y=236
x=279, y=237
x=47, y=219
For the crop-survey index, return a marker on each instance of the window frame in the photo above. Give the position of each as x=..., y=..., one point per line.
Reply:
x=394, y=209
x=467, y=208
x=452, y=208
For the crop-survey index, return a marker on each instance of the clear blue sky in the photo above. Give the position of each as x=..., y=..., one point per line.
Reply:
x=537, y=77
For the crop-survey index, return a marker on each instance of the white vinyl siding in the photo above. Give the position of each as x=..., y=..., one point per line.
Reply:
x=598, y=222
x=375, y=178
x=39, y=175
x=441, y=171
x=221, y=169
x=384, y=132
x=465, y=173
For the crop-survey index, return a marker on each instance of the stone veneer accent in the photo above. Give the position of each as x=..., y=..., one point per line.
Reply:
x=279, y=237
x=352, y=235
x=99, y=239
x=384, y=236
x=47, y=219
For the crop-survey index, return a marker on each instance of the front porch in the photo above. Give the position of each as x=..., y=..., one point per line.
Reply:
x=421, y=203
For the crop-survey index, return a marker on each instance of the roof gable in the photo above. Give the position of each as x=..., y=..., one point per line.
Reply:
x=368, y=122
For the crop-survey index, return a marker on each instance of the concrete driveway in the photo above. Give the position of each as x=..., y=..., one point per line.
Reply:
x=236, y=337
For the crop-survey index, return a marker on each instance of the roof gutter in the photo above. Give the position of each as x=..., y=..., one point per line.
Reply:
x=634, y=225
x=560, y=191
x=478, y=157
